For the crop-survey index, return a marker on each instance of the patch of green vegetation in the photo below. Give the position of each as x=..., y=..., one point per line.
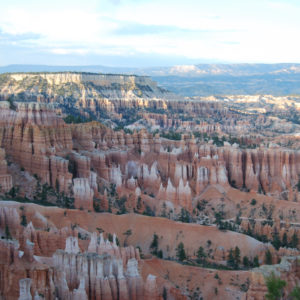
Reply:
x=71, y=119
x=275, y=287
x=171, y=135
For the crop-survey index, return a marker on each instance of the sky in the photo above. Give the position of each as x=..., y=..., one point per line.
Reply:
x=148, y=33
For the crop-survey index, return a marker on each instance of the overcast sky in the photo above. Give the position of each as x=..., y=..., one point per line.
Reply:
x=139, y=33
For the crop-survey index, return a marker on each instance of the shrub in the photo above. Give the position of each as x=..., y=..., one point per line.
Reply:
x=148, y=211
x=275, y=287
x=160, y=254
x=23, y=221
x=295, y=294
x=96, y=205
x=71, y=119
x=253, y=202
x=184, y=216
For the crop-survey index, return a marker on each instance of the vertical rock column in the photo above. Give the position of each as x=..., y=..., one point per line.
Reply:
x=83, y=193
x=25, y=285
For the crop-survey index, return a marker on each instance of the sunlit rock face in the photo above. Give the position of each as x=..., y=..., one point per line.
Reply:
x=79, y=160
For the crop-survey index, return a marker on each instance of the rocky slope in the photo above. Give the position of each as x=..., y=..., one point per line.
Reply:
x=57, y=252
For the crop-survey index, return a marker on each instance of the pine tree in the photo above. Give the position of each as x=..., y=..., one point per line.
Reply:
x=7, y=233
x=256, y=262
x=201, y=255
x=276, y=240
x=184, y=216
x=246, y=261
x=180, y=252
x=23, y=220
x=237, y=257
x=230, y=260
x=268, y=257
x=165, y=294
x=284, y=242
x=154, y=244
x=294, y=241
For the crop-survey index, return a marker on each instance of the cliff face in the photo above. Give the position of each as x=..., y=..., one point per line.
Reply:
x=33, y=136
x=84, y=89
x=97, y=79
x=5, y=178
x=164, y=166
x=80, y=160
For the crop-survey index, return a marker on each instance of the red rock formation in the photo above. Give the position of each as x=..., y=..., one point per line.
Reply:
x=83, y=194
x=5, y=178
x=100, y=273
x=32, y=135
x=175, y=171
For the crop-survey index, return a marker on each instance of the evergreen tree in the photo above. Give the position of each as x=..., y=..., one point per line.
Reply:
x=7, y=233
x=256, y=262
x=219, y=220
x=237, y=257
x=201, y=255
x=23, y=220
x=268, y=257
x=230, y=259
x=284, y=242
x=246, y=262
x=165, y=294
x=180, y=252
x=276, y=240
x=154, y=244
x=294, y=241
x=160, y=254
x=184, y=216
